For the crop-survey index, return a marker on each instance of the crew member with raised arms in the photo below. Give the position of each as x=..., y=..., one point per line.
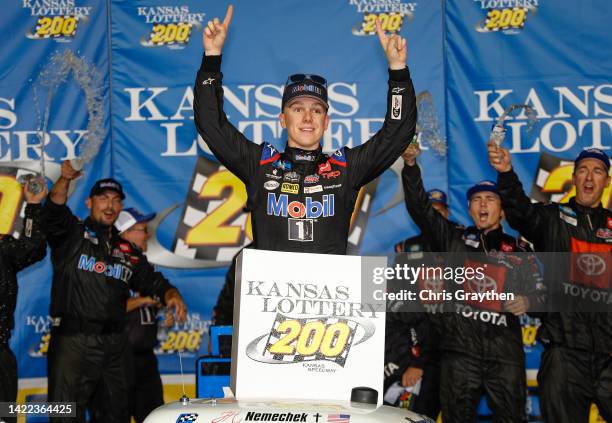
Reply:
x=576, y=367
x=482, y=344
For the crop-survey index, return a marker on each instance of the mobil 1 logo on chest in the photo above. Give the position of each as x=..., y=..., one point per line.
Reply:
x=301, y=215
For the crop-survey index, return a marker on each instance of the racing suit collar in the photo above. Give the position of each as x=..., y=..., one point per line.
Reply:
x=298, y=155
x=104, y=231
x=582, y=209
x=491, y=240
x=494, y=238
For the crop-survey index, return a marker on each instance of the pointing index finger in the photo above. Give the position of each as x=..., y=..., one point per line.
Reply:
x=228, y=15
x=381, y=34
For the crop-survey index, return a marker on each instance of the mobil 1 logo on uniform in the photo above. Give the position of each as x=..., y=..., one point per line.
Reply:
x=301, y=216
x=301, y=230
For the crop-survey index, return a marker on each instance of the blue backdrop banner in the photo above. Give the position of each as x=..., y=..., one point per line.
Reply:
x=469, y=62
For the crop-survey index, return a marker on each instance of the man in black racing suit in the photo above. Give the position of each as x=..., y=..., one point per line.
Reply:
x=16, y=255
x=482, y=345
x=576, y=367
x=93, y=272
x=412, y=341
x=301, y=199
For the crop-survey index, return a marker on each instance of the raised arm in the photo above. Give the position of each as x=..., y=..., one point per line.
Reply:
x=232, y=148
x=373, y=157
x=57, y=216
x=59, y=191
x=31, y=246
x=530, y=219
x=438, y=229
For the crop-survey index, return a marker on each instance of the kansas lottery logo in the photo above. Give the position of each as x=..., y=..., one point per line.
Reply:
x=169, y=26
x=56, y=19
x=506, y=16
x=392, y=14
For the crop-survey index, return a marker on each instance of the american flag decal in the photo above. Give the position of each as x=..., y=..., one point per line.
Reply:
x=339, y=418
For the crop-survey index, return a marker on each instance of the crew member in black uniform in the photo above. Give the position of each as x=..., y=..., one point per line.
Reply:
x=420, y=242
x=301, y=199
x=93, y=273
x=16, y=255
x=481, y=343
x=411, y=342
x=576, y=367
x=146, y=389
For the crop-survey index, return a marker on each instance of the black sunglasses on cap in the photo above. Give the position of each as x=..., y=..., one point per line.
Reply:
x=303, y=77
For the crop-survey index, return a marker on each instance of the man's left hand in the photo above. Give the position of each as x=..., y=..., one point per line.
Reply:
x=394, y=46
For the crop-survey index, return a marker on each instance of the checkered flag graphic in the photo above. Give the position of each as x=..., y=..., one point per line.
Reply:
x=275, y=336
x=187, y=417
x=547, y=164
x=17, y=174
x=196, y=209
x=359, y=219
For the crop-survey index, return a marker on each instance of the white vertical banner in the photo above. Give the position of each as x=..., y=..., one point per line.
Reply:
x=301, y=330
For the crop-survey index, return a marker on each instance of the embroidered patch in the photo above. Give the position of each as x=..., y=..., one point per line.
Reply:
x=396, y=108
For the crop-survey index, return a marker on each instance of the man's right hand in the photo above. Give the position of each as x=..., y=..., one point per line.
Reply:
x=68, y=171
x=410, y=154
x=59, y=192
x=499, y=157
x=32, y=198
x=213, y=36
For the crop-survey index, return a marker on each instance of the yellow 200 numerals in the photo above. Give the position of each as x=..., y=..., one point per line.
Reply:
x=213, y=229
x=561, y=177
x=182, y=341
x=391, y=22
x=505, y=18
x=10, y=200
x=56, y=26
x=170, y=33
x=312, y=338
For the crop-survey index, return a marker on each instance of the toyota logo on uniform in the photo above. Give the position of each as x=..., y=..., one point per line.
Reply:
x=591, y=264
x=487, y=284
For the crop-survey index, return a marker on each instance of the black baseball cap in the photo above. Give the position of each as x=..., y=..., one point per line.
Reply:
x=482, y=186
x=108, y=184
x=593, y=153
x=305, y=85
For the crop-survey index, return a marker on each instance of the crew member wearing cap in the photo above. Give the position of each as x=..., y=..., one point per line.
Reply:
x=93, y=273
x=412, y=339
x=15, y=255
x=576, y=366
x=146, y=389
x=481, y=343
x=302, y=199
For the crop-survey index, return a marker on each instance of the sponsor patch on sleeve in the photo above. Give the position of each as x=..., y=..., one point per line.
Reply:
x=396, y=107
